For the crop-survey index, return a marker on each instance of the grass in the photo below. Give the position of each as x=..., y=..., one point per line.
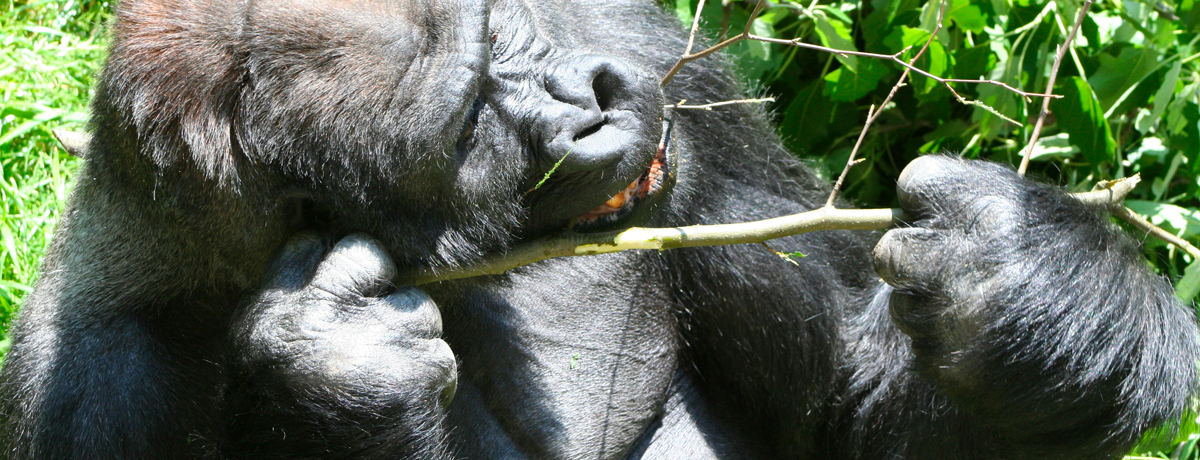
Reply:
x=50, y=52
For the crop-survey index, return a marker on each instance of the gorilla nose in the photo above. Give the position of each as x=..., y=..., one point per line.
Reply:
x=595, y=118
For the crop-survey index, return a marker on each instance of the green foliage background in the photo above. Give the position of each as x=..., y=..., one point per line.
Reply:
x=1131, y=104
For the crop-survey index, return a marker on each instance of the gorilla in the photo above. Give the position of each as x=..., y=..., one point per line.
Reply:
x=223, y=284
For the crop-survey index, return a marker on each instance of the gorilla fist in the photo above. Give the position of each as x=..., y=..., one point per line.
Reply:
x=1001, y=279
x=329, y=335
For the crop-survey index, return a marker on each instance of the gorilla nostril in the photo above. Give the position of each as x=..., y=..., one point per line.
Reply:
x=590, y=82
x=596, y=112
x=606, y=87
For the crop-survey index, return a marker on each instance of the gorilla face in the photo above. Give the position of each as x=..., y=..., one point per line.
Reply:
x=431, y=123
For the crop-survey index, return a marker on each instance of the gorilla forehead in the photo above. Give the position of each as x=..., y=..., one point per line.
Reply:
x=368, y=79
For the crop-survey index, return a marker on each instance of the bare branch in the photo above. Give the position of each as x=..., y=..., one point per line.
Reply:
x=825, y=218
x=896, y=58
x=582, y=244
x=850, y=162
x=872, y=114
x=1041, y=119
x=75, y=143
x=1110, y=193
x=681, y=105
x=1140, y=222
x=687, y=54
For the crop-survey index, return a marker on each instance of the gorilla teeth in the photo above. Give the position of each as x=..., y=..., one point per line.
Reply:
x=625, y=200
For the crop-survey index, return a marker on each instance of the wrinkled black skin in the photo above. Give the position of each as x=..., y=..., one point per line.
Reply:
x=1015, y=322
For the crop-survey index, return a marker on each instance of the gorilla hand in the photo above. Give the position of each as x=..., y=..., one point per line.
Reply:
x=330, y=355
x=1028, y=307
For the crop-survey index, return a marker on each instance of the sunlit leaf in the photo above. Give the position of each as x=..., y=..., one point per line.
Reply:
x=1056, y=147
x=683, y=10
x=1189, y=285
x=1080, y=115
x=1180, y=221
x=834, y=34
x=1162, y=98
x=966, y=16
x=1118, y=74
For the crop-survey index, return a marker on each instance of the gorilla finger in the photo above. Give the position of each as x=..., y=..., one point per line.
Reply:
x=357, y=265
x=937, y=184
x=295, y=261
x=412, y=314
x=426, y=366
x=910, y=258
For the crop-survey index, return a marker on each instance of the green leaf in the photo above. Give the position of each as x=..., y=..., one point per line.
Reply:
x=834, y=34
x=22, y=128
x=1180, y=221
x=683, y=10
x=1056, y=147
x=841, y=15
x=845, y=85
x=1189, y=285
x=43, y=30
x=1162, y=98
x=1080, y=115
x=905, y=37
x=973, y=62
x=966, y=16
x=936, y=62
x=1176, y=119
x=1118, y=74
x=806, y=119
x=764, y=26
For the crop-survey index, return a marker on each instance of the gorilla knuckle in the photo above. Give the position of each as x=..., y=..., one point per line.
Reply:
x=411, y=310
x=940, y=184
x=357, y=264
x=909, y=256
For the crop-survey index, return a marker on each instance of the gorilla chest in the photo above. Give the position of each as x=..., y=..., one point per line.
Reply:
x=570, y=358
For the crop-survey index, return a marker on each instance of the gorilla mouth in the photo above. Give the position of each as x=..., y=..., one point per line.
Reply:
x=625, y=202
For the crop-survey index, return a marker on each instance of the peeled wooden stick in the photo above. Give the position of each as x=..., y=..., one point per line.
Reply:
x=1109, y=194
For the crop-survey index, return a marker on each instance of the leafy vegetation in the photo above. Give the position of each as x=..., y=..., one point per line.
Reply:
x=49, y=55
x=1130, y=86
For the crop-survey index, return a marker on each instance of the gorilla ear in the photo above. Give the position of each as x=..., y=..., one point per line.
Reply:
x=174, y=76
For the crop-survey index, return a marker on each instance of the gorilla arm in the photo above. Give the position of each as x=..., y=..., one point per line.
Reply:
x=1027, y=323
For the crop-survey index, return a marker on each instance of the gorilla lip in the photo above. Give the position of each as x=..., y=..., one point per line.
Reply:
x=625, y=201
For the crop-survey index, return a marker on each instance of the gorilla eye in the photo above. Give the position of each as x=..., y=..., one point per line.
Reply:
x=472, y=118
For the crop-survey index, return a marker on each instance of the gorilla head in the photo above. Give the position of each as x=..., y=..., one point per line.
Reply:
x=428, y=123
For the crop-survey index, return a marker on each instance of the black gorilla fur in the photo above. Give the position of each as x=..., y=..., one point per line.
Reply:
x=1016, y=322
